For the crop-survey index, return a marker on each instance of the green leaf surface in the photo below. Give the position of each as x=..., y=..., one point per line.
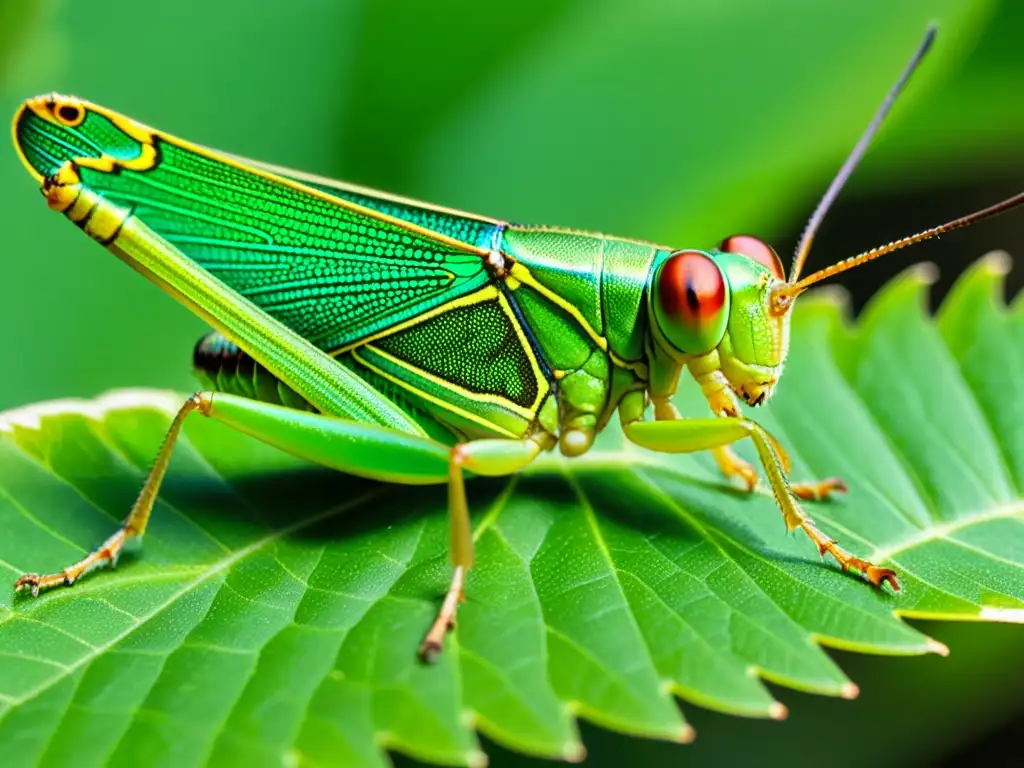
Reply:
x=274, y=612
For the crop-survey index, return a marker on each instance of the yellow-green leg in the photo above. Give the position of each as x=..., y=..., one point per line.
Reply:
x=482, y=457
x=689, y=435
x=134, y=524
x=350, y=446
x=723, y=403
x=733, y=466
x=353, y=447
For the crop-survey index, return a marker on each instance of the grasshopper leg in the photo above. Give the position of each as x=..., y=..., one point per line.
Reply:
x=353, y=447
x=689, y=435
x=133, y=526
x=482, y=457
x=357, y=448
x=733, y=466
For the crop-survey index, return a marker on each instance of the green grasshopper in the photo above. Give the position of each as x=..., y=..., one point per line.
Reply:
x=410, y=343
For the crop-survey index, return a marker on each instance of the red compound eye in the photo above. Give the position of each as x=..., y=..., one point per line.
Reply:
x=691, y=289
x=758, y=250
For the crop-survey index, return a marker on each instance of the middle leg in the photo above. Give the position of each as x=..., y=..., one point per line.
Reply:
x=384, y=454
x=723, y=404
x=494, y=458
x=733, y=466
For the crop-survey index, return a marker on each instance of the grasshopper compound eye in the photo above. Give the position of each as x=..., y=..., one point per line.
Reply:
x=691, y=302
x=758, y=250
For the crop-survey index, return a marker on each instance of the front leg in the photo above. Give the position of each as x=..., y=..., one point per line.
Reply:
x=733, y=466
x=723, y=403
x=690, y=435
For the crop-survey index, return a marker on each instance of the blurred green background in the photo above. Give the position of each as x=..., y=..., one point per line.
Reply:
x=656, y=119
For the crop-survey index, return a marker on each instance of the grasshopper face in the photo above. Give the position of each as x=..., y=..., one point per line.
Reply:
x=713, y=312
x=753, y=349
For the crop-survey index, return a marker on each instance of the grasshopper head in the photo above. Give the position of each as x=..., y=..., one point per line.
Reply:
x=726, y=312
x=712, y=310
x=753, y=349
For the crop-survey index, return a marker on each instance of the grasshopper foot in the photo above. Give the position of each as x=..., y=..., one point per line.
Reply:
x=821, y=490
x=733, y=466
x=430, y=650
x=873, y=574
x=35, y=583
x=879, y=576
x=433, y=643
x=105, y=555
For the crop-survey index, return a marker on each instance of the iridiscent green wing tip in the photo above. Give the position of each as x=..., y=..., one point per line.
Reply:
x=52, y=129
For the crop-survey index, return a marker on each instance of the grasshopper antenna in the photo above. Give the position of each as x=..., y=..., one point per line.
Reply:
x=804, y=247
x=784, y=295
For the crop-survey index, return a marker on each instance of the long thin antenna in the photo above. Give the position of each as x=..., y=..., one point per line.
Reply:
x=804, y=247
x=785, y=293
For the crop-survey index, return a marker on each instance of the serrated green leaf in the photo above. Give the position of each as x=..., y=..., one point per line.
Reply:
x=274, y=613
